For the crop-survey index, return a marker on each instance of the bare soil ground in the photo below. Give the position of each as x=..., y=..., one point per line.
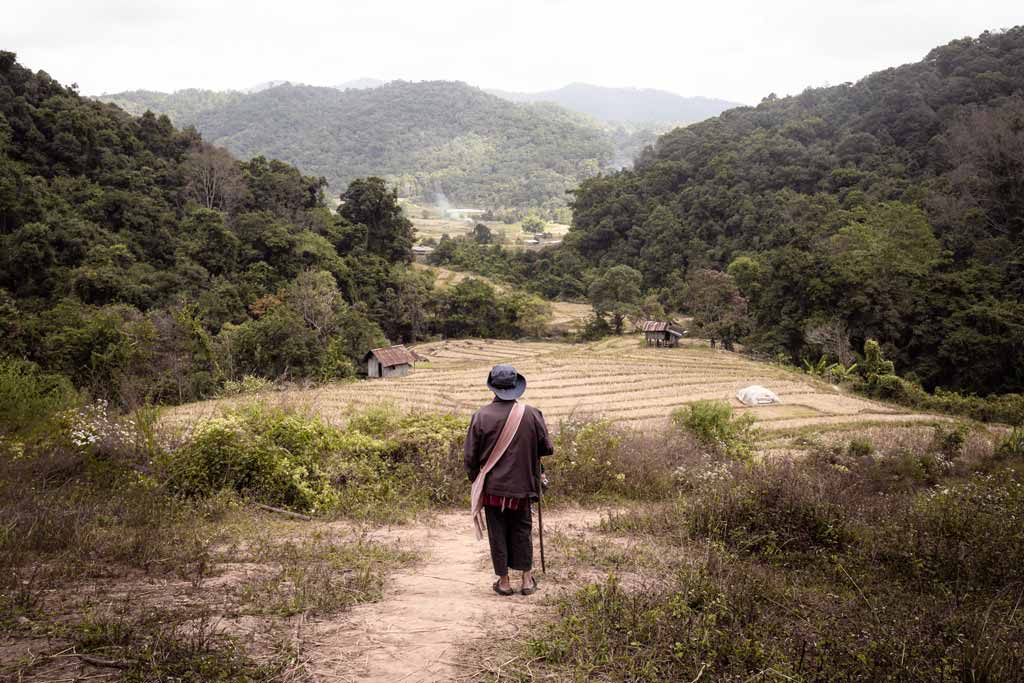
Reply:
x=619, y=378
x=435, y=610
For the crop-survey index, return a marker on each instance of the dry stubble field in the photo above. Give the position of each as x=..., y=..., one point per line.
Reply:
x=618, y=378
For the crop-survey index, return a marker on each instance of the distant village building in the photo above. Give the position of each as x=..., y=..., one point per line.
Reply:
x=659, y=333
x=395, y=361
x=422, y=250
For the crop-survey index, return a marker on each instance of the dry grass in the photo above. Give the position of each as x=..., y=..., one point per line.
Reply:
x=618, y=378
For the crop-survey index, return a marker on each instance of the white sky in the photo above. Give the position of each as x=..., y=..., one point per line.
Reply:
x=734, y=49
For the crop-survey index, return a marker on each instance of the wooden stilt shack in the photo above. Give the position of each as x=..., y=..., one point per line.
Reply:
x=661, y=333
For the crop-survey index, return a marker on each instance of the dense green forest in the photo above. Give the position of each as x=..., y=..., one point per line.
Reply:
x=891, y=208
x=141, y=264
x=428, y=138
x=632, y=106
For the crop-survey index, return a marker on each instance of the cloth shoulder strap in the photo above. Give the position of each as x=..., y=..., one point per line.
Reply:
x=508, y=432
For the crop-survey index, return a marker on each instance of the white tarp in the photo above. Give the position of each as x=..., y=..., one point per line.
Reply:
x=756, y=395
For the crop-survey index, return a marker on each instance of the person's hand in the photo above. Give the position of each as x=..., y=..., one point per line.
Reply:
x=544, y=483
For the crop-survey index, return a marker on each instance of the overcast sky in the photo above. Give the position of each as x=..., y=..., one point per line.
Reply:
x=739, y=50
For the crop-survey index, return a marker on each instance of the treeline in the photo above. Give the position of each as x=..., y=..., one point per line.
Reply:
x=889, y=209
x=142, y=264
x=428, y=138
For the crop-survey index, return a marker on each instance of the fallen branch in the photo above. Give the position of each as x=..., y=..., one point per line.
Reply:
x=288, y=513
x=107, y=663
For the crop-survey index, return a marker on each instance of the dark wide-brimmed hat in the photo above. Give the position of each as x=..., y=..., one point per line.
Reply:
x=506, y=383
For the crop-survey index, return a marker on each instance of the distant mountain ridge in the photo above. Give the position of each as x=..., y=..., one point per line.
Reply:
x=626, y=105
x=428, y=138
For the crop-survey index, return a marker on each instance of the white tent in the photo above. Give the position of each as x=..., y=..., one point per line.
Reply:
x=756, y=395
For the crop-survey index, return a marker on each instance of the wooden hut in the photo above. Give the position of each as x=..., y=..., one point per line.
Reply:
x=658, y=333
x=395, y=361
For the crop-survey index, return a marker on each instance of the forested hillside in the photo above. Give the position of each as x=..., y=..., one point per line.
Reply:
x=891, y=208
x=430, y=138
x=637, y=106
x=141, y=264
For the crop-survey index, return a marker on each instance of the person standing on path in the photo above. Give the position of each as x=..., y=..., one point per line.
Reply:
x=504, y=445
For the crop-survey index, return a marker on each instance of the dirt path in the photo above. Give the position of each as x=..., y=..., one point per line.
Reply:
x=429, y=611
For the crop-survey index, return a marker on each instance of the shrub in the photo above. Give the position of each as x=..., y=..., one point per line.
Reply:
x=967, y=535
x=595, y=328
x=1013, y=445
x=598, y=459
x=248, y=385
x=274, y=457
x=29, y=397
x=384, y=465
x=859, y=447
x=949, y=440
x=584, y=466
x=769, y=507
x=605, y=632
x=714, y=425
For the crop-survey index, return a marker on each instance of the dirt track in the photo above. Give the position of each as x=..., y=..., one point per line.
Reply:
x=431, y=611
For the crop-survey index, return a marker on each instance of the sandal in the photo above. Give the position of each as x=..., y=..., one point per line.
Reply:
x=532, y=589
x=502, y=591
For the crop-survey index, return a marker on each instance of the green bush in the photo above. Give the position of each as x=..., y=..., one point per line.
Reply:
x=383, y=465
x=596, y=459
x=248, y=385
x=859, y=447
x=587, y=462
x=714, y=425
x=771, y=507
x=1013, y=445
x=274, y=457
x=949, y=440
x=29, y=398
x=429, y=445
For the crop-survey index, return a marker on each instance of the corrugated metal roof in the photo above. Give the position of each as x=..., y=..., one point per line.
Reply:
x=655, y=326
x=395, y=355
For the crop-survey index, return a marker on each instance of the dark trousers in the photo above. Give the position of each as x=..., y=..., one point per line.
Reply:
x=510, y=535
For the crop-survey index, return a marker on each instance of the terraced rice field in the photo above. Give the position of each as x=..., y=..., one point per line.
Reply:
x=620, y=378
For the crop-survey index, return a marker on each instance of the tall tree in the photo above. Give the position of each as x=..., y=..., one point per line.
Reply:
x=616, y=292
x=389, y=234
x=719, y=310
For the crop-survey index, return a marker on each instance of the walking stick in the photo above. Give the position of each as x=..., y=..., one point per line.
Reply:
x=540, y=520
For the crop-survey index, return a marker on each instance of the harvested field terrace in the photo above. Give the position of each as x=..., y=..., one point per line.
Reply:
x=618, y=378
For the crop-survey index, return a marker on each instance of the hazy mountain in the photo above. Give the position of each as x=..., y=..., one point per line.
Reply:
x=265, y=85
x=429, y=137
x=182, y=106
x=626, y=105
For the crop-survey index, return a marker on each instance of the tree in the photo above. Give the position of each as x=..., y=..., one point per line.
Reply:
x=531, y=314
x=213, y=178
x=534, y=224
x=469, y=309
x=616, y=292
x=315, y=297
x=719, y=310
x=369, y=202
x=832, y=336
x=482, y=234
